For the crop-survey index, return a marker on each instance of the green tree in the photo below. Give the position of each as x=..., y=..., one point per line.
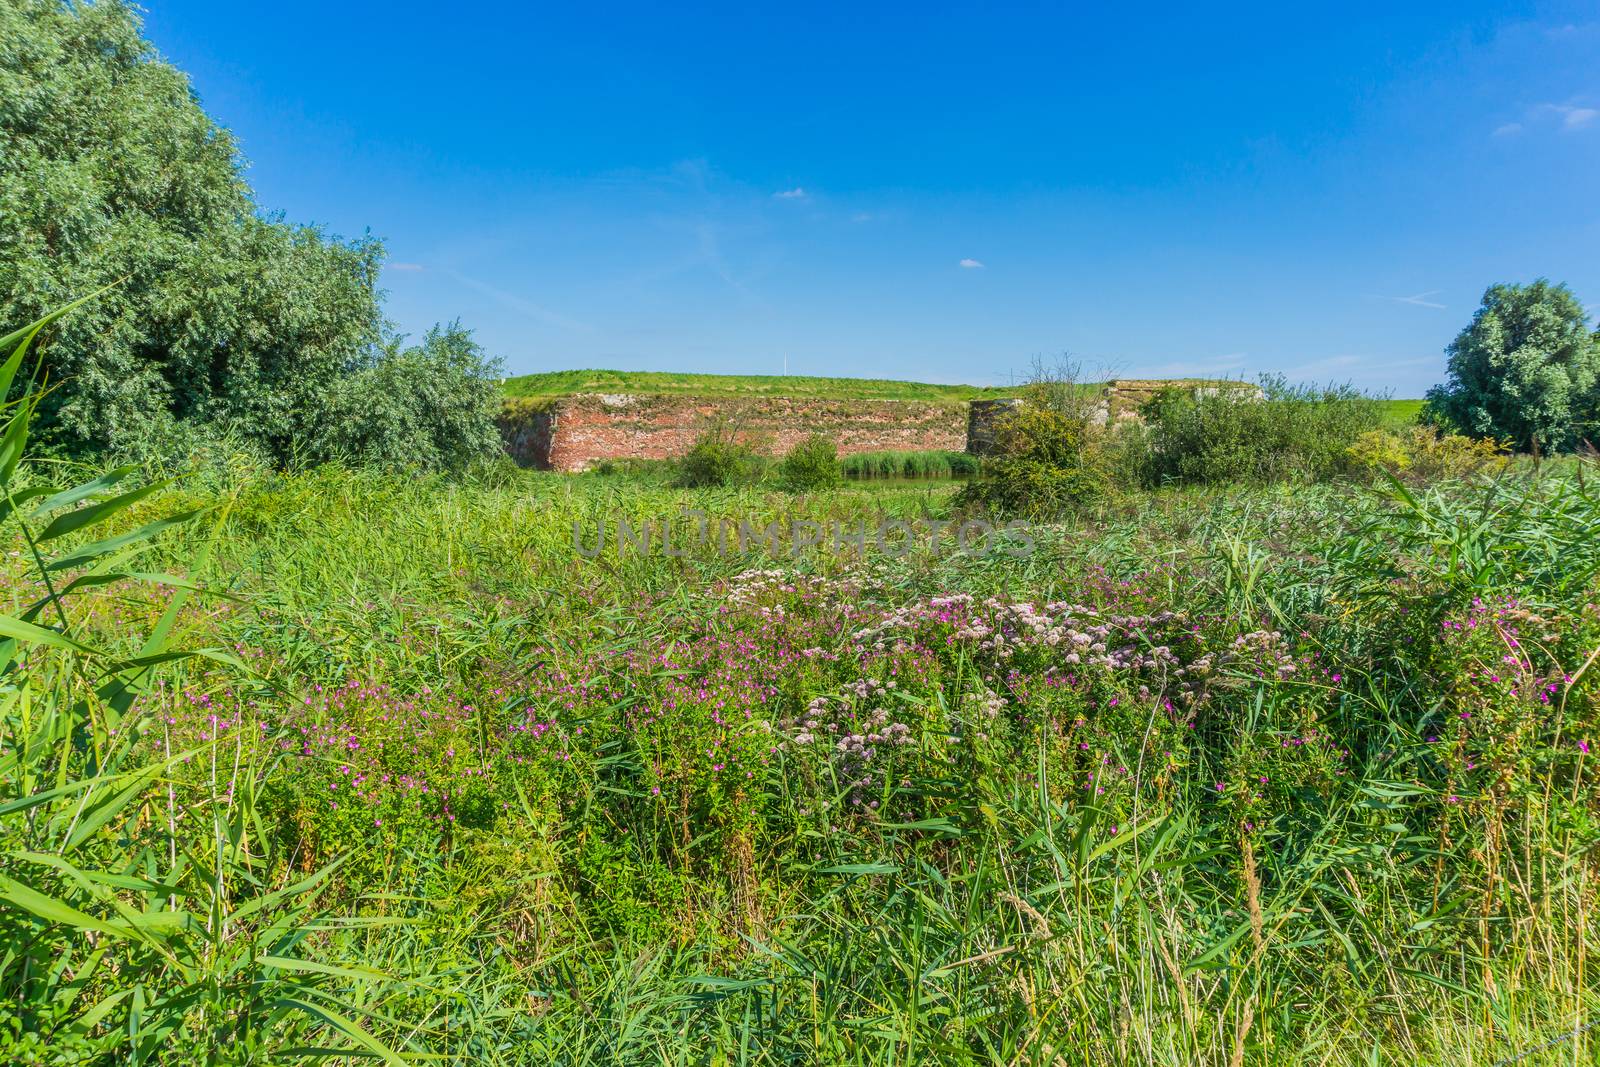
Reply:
x=430, y=406
x=1526, y=370
x=225, y=320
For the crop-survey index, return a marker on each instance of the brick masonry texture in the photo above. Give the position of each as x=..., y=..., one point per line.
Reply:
x=576, y=432
x=573, y=433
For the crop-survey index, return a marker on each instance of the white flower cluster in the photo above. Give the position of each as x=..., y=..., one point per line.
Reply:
x=855, y=730
x=1086, y=640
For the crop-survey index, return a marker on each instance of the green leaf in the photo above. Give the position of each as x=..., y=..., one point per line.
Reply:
x=12, y=441
x=92, y=1018
x=73, y=521
x=20, y=498
x=54, y=911
x=81, y=492
x=89, y=553
x=27, y=631
x=1210, y=956
x=345, y=1026
x=858, y=868
x=289, y=963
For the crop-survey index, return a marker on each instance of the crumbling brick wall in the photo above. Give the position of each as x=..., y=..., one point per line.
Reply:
x=526, y=428
x=573, y=433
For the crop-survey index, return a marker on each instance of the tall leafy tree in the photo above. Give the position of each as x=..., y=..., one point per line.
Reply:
x=226, y=319
x=1527, y=369
x=421, y=405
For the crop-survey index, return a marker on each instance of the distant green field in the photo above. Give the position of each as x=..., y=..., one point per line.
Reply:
x=563, y=382
x=1398, y=413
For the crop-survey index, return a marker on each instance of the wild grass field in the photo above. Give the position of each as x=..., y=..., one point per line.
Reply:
x=1254, y=730
x=343, y=765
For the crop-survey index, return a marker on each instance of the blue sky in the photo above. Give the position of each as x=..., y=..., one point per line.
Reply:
x=934, y=192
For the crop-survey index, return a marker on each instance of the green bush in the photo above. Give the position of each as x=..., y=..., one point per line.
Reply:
x=718, y=457
x=1047, y=460
x=1235, y=435
x=811, y=465
x=1422, y=453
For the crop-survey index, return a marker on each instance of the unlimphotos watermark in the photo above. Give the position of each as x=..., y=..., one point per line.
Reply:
x=694, y=531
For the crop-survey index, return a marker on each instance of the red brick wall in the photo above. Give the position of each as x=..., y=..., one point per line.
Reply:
x=573, y=433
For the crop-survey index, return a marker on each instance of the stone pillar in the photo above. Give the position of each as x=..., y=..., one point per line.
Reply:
x=983, y=416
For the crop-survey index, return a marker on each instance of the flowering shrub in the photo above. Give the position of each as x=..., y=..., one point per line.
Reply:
x=1424, y=454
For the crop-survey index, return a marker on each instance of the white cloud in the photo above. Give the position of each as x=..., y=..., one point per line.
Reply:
x=405, y=266
x=1419, y=300
x=1226, y=365
x=971, y=264
x=526, y=307
x=1570, y=116
x=1564, y=117
x=1573, y=118
x=861, y=216
x=797, y=193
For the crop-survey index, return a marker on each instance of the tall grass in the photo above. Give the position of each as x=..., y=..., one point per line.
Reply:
x=218, y=846
x=1003, y=919
x=930, y=464
x=139, y=923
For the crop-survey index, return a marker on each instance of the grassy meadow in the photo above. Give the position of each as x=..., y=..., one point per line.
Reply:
x=349, y=765
x=564, y=382
x=549, y=385
x=1254, y=730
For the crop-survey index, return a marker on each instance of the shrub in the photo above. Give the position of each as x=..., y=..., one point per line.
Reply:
x=811, y=465
x=430, y=406
x=1225, y=436
x=1047, y=457
x=1425, y=454
x=718, y=457
x=1526, y=369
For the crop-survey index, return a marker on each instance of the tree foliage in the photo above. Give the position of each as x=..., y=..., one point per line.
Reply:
x=225, y=320
x=1527, y=369
x=429, y=405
